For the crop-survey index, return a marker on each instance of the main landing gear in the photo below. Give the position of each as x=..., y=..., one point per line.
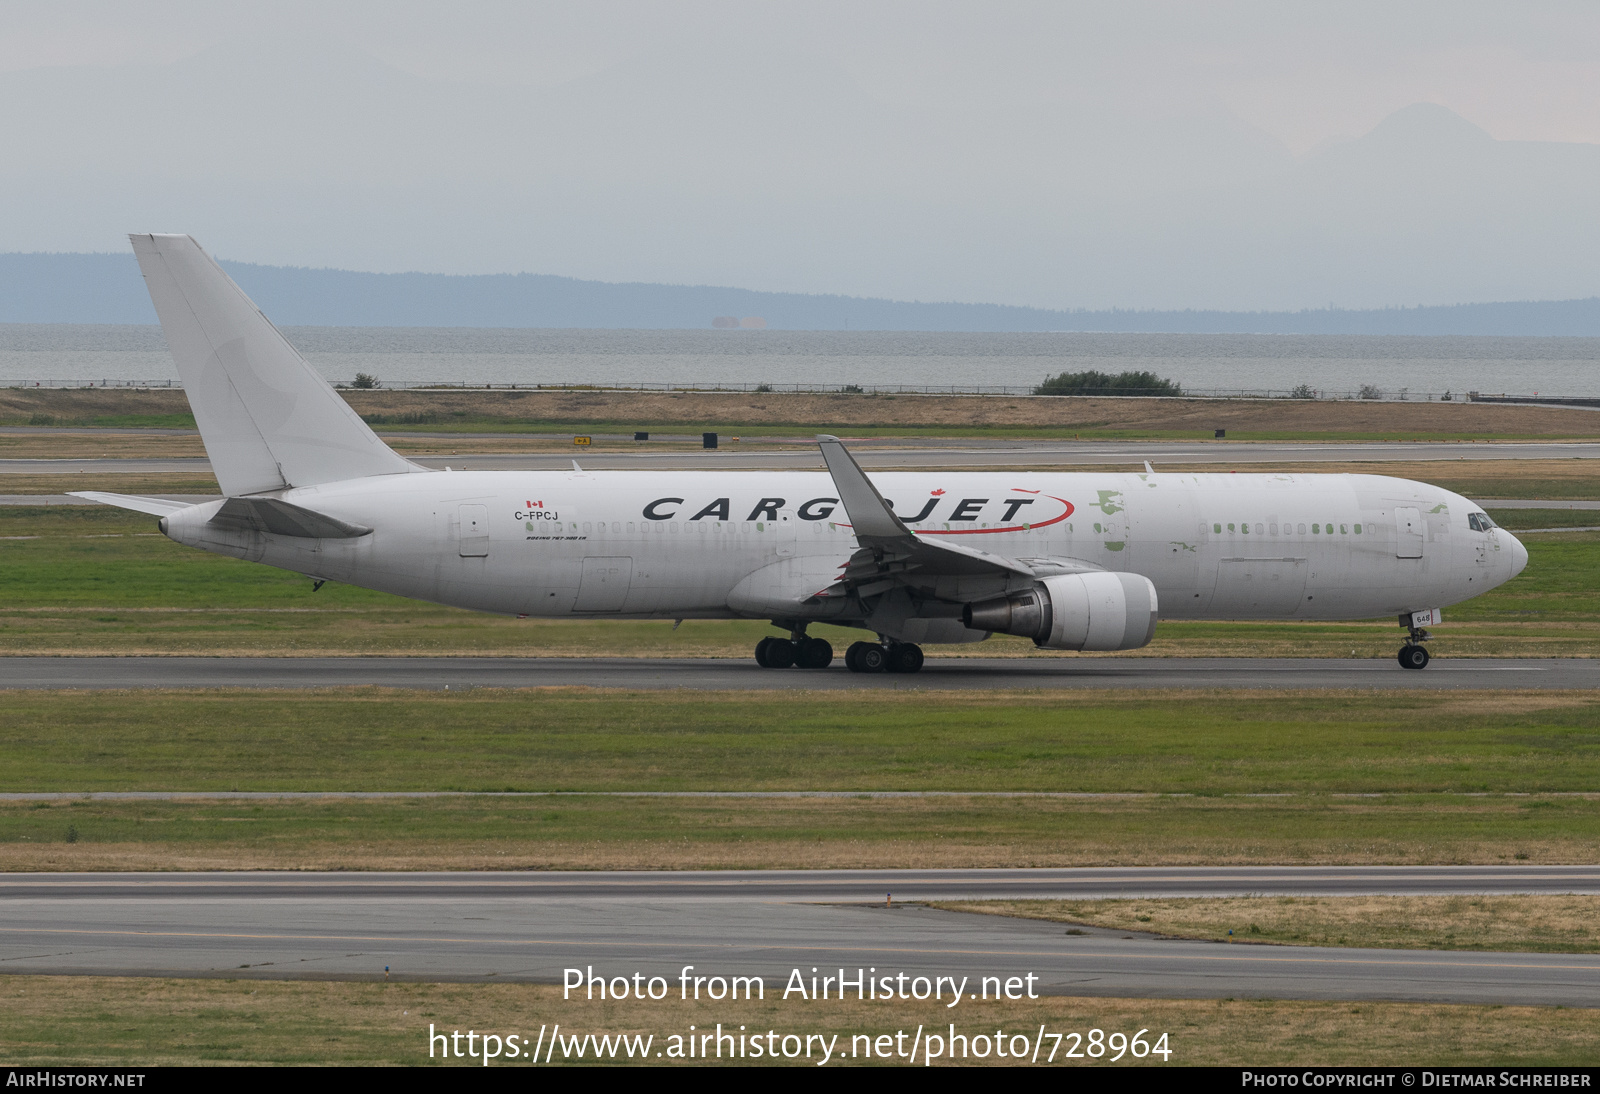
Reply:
x=1414, y=655
x=800, y=652
x=876, y=657
x=814, y=653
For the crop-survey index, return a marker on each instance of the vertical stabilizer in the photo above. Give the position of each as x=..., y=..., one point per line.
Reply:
x=267, y=419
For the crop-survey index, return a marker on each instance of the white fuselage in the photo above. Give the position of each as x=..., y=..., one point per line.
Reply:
x=728, y=544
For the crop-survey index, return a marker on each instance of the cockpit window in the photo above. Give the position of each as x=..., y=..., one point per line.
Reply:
x=1479, y=522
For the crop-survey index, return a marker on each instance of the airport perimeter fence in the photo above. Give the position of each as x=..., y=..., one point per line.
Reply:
x=1367, y=393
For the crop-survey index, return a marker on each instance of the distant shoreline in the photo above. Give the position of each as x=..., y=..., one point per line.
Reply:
x=1223, y=364
x=107, y=289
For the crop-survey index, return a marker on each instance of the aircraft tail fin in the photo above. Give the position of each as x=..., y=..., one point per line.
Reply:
x=267, y=419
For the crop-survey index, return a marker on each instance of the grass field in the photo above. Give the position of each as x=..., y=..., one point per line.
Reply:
x=1187, y=777
x=1519, y=924
x=1101, y=742
x=591, y=832
x=106, y=1021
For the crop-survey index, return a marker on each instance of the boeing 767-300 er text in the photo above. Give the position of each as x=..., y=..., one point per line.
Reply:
x=1083, y=561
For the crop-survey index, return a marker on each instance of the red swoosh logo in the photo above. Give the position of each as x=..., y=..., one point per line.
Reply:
x=1070, y=509
x=1012, y=528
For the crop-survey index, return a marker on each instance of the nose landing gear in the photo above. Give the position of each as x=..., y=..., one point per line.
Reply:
x=1414, y=655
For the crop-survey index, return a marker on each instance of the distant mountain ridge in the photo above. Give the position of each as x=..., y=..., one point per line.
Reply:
x=107, y=288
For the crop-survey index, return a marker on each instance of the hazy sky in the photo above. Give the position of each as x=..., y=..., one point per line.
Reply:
x=1059, y=154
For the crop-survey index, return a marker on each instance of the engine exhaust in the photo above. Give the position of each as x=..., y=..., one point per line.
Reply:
x=1026, y=614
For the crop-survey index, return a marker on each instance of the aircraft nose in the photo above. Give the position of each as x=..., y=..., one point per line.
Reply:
x=1519, y=555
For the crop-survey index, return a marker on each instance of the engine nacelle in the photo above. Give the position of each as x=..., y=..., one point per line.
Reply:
x=1093, y=611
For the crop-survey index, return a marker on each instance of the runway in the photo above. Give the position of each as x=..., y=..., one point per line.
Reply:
x=531, y=927
x=811, y=886
x=436, y=673
x=955, y=454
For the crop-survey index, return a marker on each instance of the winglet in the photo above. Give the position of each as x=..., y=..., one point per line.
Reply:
x=870, y=515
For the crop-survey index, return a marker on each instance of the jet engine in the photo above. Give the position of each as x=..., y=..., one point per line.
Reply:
x=1092, y=611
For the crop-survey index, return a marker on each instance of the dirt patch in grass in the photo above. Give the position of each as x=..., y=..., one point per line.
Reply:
x=18, y=405
x=98, y=446
x=1193, y=417
x=192, y=483
x=1522, y=923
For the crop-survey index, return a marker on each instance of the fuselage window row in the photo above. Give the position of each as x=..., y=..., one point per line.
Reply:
x=1317, y=529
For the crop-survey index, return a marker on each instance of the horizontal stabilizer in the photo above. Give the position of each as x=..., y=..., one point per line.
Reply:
x=279, y=518
x=156, y=507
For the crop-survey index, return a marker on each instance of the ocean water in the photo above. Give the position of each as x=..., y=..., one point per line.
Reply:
x=57, y=355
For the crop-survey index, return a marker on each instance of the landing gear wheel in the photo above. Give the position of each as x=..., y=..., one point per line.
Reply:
x=780, y=653
x=1414, y=657
x=813, y=653
x=905, y=657
x=761, y=652
x=866, y=657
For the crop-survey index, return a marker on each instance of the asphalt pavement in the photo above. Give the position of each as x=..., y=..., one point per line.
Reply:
x=1065, y=671
x=533, y=927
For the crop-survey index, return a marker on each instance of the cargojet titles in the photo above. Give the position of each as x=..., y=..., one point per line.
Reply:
x=1020, y=511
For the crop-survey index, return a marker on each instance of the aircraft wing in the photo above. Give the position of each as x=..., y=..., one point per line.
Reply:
x=891, y=553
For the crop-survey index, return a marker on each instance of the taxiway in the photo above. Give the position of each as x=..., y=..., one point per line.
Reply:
x=532, y=927
x=1065, y=671
x=955, y=454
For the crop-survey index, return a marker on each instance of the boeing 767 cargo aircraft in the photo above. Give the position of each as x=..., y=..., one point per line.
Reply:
x=1083, y=561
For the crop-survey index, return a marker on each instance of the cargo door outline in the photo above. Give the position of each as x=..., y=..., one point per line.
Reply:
x=1164, y=541
x=787, y=527
x=604, y=584
x=473, y=532
x=1409, y=532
